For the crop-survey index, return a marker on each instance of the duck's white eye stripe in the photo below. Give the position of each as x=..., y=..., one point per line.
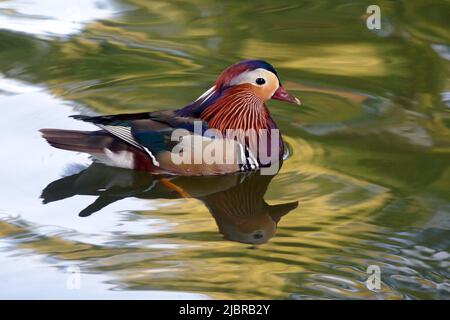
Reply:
x=251, y=77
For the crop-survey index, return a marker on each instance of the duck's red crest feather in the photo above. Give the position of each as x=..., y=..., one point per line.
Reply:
x=229, y=73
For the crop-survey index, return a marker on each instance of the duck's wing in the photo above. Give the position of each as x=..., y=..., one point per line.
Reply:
x=146, y=129
x=160, y=120
x=156, y=134
x=111, y=119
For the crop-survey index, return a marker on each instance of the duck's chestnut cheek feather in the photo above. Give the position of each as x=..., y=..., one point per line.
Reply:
x=282, y=95
x=264, y=92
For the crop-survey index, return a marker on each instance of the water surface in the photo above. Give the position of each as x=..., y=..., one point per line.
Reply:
x=367, y=181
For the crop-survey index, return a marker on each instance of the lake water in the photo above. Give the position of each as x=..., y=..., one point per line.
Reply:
x=369, y=161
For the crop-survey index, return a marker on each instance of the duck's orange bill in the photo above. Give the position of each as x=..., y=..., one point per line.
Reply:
x=282, y=95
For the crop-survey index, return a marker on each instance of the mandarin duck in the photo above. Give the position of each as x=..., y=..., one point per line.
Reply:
x=145, y=141
x=235, y=201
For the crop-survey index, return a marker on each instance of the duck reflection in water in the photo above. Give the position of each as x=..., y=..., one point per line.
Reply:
x=235, y=201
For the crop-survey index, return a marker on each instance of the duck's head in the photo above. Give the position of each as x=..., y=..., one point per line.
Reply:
x=258, y=76
x=249, y=76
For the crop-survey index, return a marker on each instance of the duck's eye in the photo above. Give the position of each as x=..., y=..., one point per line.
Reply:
x=258, y=236
x=260, y=81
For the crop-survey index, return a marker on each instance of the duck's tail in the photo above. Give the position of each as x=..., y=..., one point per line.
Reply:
x=104, y=148
x=93, y=142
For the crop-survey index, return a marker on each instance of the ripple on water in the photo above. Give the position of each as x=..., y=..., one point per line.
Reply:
x=53, y=18
x=368, y=153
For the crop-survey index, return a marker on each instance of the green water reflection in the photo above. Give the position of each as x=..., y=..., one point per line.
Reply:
x=370, y=162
